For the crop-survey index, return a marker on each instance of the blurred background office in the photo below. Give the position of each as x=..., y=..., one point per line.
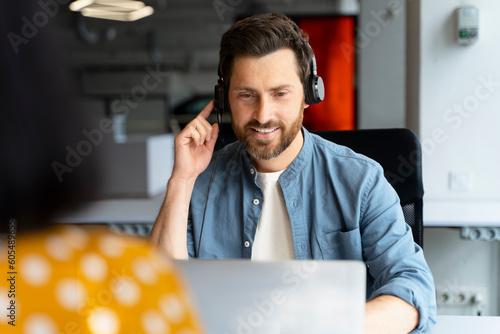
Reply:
x=385, y=63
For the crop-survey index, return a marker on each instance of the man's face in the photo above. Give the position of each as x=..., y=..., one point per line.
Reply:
x=266, y=99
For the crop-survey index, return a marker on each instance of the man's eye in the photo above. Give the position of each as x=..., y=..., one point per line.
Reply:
x=280, y=94
x=245, y=95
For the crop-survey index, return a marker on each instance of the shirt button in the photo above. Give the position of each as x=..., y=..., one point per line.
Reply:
x=256, y=201
x=252, y=171
x=247, y=244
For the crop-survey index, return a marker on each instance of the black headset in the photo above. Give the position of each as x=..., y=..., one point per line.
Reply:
x=314, y=89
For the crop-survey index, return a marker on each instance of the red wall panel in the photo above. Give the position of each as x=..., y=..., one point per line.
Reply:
x=331, y=38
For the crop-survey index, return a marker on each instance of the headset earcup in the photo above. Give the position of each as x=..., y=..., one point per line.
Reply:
x=318, y=89
x=314, y=89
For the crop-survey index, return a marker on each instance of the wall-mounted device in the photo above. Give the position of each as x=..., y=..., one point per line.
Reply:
x=467, y=25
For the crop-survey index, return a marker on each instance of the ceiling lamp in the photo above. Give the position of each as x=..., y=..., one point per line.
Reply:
x=118, y=10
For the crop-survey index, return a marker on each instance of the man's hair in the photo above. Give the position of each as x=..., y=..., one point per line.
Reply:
x=261, y=35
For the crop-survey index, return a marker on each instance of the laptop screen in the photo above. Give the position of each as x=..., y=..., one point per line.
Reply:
x=253, y=297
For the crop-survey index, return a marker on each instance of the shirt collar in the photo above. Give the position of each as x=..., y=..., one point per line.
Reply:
x=301, y=160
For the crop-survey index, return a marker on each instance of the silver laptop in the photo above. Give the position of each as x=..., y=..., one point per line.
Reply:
x=286, y=297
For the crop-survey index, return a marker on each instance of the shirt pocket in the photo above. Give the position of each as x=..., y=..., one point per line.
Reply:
x=341, y=245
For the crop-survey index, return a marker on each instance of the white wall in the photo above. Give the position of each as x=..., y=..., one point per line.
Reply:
x=456, y=116
x=452, y=78
x=380, y=46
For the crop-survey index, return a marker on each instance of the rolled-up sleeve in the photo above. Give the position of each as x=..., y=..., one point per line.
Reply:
x=395, y=263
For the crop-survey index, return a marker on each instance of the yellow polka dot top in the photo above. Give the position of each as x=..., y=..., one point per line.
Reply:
x=85, y=280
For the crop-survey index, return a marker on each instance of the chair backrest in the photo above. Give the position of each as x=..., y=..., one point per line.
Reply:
x=398, y=151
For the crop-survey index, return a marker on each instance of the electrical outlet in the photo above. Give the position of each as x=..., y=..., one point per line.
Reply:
x=443, y=297
x=460, y=180
x=480, y=233
x=461, y=296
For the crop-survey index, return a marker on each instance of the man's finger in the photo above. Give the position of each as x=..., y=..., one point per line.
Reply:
x=194, y=135
x=213, y=136
x=202, y=131
x=207, y=110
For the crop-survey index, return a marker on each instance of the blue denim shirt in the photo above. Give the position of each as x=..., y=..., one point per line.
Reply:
x=340, y=207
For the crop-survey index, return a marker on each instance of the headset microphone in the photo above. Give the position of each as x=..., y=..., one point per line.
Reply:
x=219, y=98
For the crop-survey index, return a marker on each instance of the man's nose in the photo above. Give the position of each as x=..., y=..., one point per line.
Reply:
x=263, y=111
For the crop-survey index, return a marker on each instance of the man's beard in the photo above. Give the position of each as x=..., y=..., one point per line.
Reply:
x=264, y=149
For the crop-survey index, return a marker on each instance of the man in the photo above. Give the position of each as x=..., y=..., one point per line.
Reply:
x=283, y=193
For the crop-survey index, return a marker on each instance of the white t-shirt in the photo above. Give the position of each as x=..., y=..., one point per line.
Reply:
x=273, y=238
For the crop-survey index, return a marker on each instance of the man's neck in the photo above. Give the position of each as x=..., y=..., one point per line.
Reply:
x=283, y=160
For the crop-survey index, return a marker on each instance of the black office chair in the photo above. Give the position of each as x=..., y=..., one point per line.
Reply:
x=400, y=154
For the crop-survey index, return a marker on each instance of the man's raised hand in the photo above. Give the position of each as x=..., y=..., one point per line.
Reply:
x=194, y=146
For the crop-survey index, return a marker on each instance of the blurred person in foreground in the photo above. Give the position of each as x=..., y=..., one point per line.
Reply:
x=59, y=278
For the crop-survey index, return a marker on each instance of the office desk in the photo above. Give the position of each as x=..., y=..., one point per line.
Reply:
x=450, y=324
x=458, y=213
x=119, y=210
x=438, y=213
